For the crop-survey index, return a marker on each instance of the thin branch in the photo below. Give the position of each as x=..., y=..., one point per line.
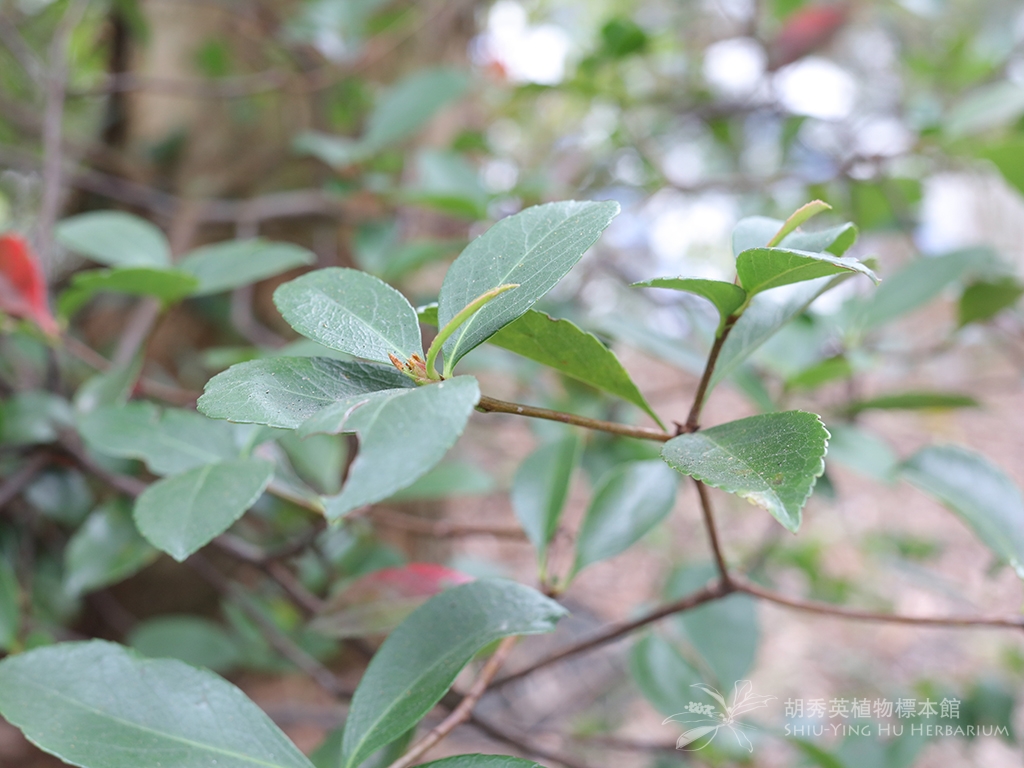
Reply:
x=16, y=482
x=492, y=405
x=712, y=530
x=443, y=529
x=693, y=419
x=712, y=591
x=519, y=743
x=746, y=586
x=462, y=712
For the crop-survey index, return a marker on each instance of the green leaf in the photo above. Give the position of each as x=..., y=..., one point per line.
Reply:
x=761, y=269
x=106, y=549
x=913, y=401
x=115, y=239
x=533, y=249
x=757, y=232
x=628, y=502
x=10, y=606
x=328, y=754
x=98, y=705
x=919, y=282
x=664, y=677
x=402, y=435
x=287, y=391
x=1008, y=158
x=800, y=216
x=421, y=658
x=168, y=285
x=318, y=459
x=820, y=373
x=449, y=182
x=181, y=513
x=991, y=106
x=862, y=452
x=481, y=761
x=980, y=493
x=726, y=297
x=724, y=632
x=191, y=639
x=352, y=312
x=540, y=488
x=169, y=441
x=337, y=151
x=224, y=266
x=984, y=300
x=60, y=494
x=449, y=478
x=580, y=355
x=770, y=460
x=411, y=102
x=112, y=387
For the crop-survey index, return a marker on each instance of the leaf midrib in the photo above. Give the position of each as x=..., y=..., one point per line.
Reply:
x=147, y=729
x=813, y=259
x=396, y=347
x=740, y=459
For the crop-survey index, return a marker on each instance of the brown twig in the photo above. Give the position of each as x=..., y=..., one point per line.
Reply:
x=712, y=531
x=519, y=743
x=462, y=712
x=693, y=419
x=15, y=482
x=492, y=405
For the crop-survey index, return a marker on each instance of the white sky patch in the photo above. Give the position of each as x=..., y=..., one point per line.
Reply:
x=734, y=67
x=528, y=53
x=689, y=236
x=882, y=136
x=817, y=88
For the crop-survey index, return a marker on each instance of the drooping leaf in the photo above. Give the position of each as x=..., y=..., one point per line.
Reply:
x=378, y=602
x=233, y=264
x=771, y=460
x=533, y=249
x=420, y=660
x=912, y=401
x=106, y=549
x=191, y=639
x=168, y=285
x=98, y=705
x=761, y=269
x=984, y=300
x=114, y=238
x=181, y=513
x=402, y=435
x=352, y=312
x=919, y=282
x=287, y=391
x=980, y=493
x=627, y=503
x=664, y=677
x=169, y=441
x=757, y=231
x=727, y=297
x=724, y=632
x=23, y=284
x=541, y=486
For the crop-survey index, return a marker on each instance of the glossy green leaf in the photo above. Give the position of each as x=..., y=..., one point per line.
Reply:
x=724, y=632
x=181, y=513
x=106, y=549
x=98, y=705
x=191, y=639
x=411, y=102
x=984, y=300
x=352, y=312
x=919, y=282
x=533, y=249
x=861, y=451
x=233, y=264
x=757, y=232
x=980, y=493
x=168, y=285
x=169, y=441
x=628, y=502
x=727, y=297
x=761, y=269
x=114, y=238
x=287, y=391
x=912, y=401
x=770, y=460
x=10, y=606
x=541, y=486
x=664, y=677
x=481, y=761
x=580, y=355
x=401, y=437
x=421, y=658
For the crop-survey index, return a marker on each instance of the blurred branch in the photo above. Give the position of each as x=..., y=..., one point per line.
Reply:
x=16, y=482
x=493, y=405
x=12, y=39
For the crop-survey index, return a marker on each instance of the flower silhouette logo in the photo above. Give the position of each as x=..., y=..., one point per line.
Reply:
x=709, y=719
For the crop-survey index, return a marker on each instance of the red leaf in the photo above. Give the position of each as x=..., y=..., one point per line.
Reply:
x=22, y=285
x=807, y=30
x=378, y=602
